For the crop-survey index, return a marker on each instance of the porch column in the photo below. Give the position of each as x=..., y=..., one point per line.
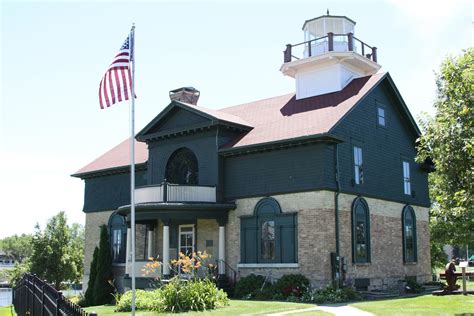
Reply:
x=221, y=256
x=166, y=249
x=149, y=250
x=127, y=251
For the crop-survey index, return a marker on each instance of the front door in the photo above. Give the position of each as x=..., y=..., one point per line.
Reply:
x=186, y=239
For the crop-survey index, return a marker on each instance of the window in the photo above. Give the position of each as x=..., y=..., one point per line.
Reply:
x=182, y=167
x=118, y=237
x=381, y=116
x=406, y=178
x=358, y=171
x=409, y=234
x=269, y=236
x=360, y=231
x=267, y=239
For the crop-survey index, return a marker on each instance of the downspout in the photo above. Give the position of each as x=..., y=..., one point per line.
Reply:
x=336, y=211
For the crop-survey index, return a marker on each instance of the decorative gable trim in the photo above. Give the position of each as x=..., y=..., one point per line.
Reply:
x=213, y=120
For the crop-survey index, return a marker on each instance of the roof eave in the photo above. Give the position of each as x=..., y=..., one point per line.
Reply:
x=108, y=171
x=289, y=142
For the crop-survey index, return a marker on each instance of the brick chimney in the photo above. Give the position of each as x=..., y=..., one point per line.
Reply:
x=188, y=95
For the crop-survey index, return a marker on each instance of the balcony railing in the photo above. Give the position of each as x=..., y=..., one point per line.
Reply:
x=329, y=43
x=167, y=192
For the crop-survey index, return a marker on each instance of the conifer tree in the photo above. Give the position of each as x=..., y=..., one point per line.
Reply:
x=103, y=289
x=89, y=296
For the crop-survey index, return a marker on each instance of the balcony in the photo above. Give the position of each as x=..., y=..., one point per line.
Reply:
x=166, y=192
x=329, y=43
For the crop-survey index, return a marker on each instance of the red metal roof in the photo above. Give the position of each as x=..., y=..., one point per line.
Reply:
x=284, y=117
x=273, y=119
x=119, y=156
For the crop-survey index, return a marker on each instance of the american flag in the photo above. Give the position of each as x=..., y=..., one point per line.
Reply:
x=116, y=84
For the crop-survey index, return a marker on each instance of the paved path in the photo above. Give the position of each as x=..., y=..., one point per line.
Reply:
x=336, y=309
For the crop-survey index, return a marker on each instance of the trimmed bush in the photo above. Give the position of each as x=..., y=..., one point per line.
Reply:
x=291, y=285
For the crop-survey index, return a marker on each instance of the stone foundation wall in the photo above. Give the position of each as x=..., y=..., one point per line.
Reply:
x=316, y=239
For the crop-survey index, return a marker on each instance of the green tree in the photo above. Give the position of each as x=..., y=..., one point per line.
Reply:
x=89, y=296
x=103, y=288
x=77, y=249
x=51, y=259
x=17, y=246
x=448, y=140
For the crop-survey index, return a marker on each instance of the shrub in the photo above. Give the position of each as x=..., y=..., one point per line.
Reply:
x=292, y=285
x=144, y=300
x=331, y=295
x=412, y=285
x=249, y=286
x=176, y=296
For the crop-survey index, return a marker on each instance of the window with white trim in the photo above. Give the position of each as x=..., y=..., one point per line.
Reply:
x=406, y=178
x=358, y=171
x=381, y=116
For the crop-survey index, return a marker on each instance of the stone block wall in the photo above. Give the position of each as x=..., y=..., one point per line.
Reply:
x=208, y=229
x=92, y=237
x=316, y=239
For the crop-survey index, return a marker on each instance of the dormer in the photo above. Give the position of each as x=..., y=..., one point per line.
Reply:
x=329, y=58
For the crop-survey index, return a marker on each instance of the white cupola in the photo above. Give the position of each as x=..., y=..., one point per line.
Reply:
x=329, y=58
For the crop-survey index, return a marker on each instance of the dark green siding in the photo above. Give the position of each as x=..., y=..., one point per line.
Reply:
x=286, y=170
x=383, y=149
x=178, y=118
x=203, y=145
x=109, y=192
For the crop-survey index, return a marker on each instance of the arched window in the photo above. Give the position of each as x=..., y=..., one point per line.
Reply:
x=409, y=234
x=118, y=237
x=182, y=167
x=360, y=231
x=268, y=236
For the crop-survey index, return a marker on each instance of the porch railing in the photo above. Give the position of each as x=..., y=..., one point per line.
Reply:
x=33, y=296
x=328, y=43
x=167, y=192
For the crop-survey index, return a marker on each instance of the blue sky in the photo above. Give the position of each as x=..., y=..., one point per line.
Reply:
x=54, y=53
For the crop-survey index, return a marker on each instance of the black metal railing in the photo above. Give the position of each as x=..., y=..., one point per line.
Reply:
x=33, y=296
x=366, y=50
x=231, y=274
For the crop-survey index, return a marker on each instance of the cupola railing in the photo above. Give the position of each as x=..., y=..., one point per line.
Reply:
x=329, y=43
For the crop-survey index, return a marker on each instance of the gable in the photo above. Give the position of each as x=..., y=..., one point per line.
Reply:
x=383, y=93
x=383, y=148
x=177, y=119
x=180, y=117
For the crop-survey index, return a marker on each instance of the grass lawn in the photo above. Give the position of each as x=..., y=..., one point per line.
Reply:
x=236, y=307
x=420, y=305
x=6, y=311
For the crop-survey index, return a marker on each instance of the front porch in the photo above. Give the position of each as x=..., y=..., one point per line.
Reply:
x=163, y=229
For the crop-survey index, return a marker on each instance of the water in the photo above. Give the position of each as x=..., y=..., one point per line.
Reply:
x=5, y=297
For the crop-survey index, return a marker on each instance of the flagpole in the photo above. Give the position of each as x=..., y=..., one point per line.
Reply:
x=132, y=160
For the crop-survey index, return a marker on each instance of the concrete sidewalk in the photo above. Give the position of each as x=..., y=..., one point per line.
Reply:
x=336, y=309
